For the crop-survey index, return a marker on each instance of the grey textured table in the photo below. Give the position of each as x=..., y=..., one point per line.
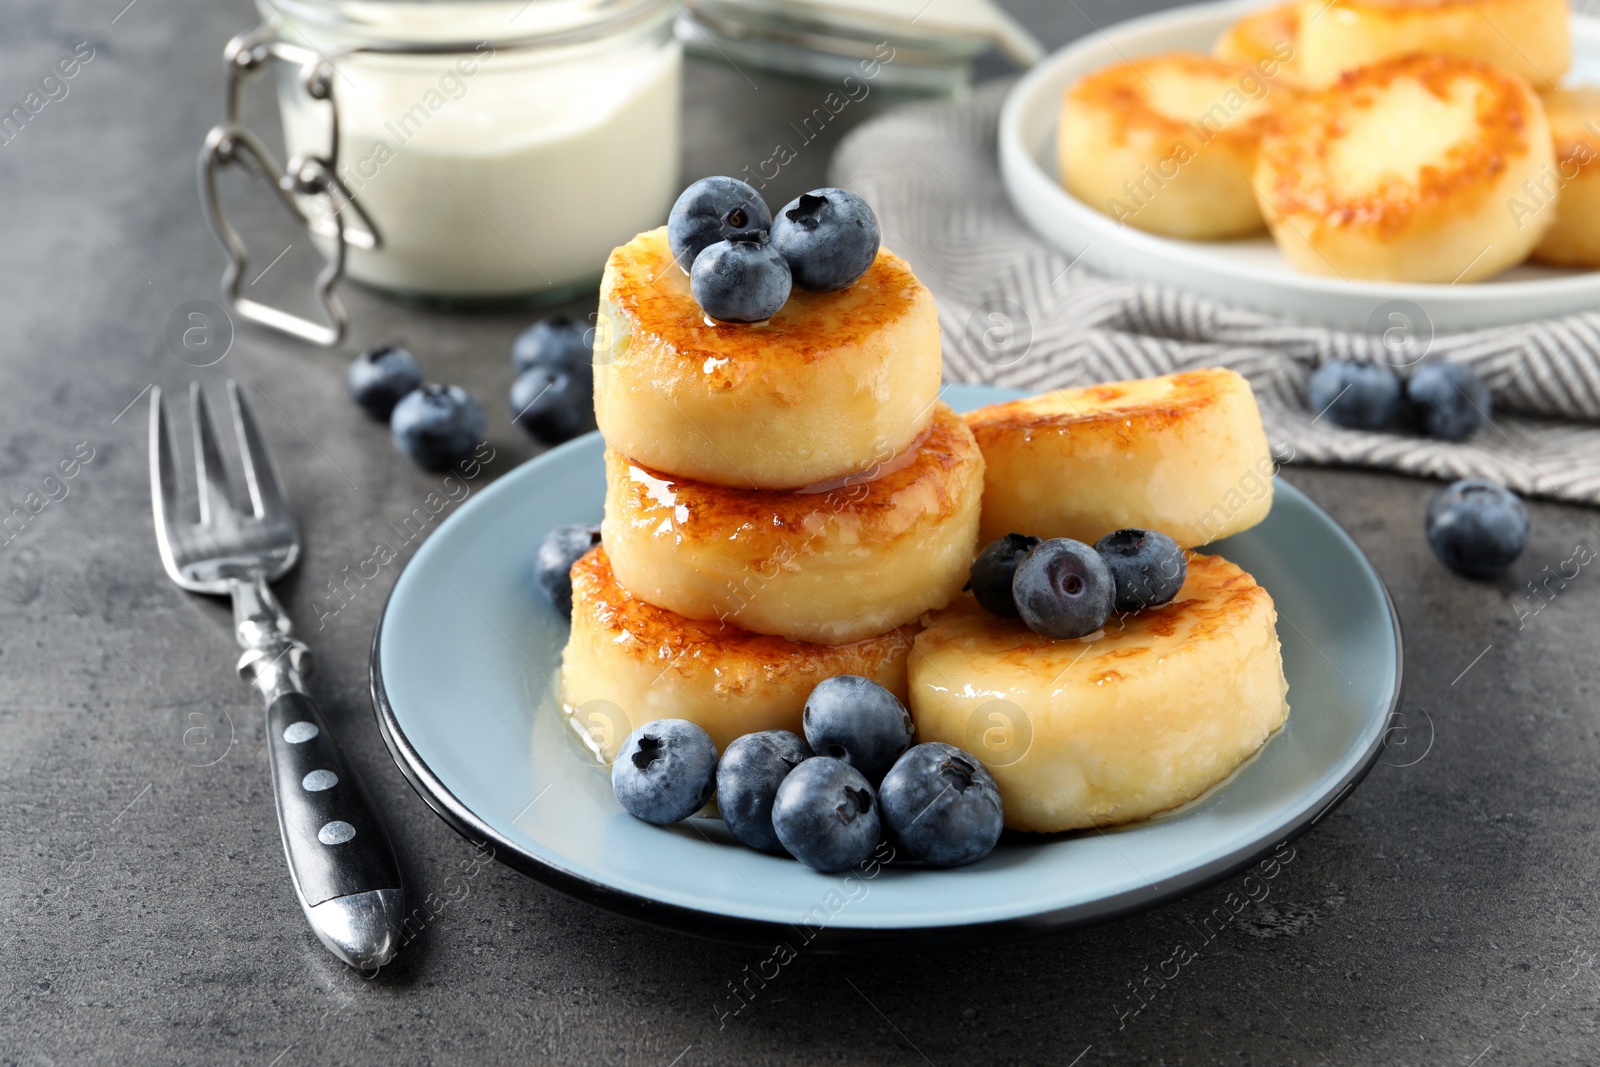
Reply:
x=1440, y=916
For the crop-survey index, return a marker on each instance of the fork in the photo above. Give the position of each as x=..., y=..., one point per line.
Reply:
x=343, y=866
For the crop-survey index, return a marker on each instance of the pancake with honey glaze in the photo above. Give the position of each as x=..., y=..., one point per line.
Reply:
x=1168, y=143
x=653, y=664
x=831, y=385
x=1185, y=454
x=831, y=567
x=1406, y=172
x=1530, y=38
x=1161, y=706
x=1265, y=39
x=1573, y=193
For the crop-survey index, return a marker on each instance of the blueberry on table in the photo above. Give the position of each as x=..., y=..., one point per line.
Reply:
x=828, y=236
x=712, y=210
x=942, y=805
x=752, y=769
x=1449, y=400
x=1477, y=528
x=438, y=425
x=553, y=560
x=554, y=342
x=993, y=570
x=1147, y=567
x=1064, y=589
x=554, y=404
x=1357, y=396
x=380, y=376
x=856, y=720
x=826, y=815
x=666, y=771
x=741, y=279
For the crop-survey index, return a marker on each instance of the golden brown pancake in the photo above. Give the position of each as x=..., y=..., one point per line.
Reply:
x=1185, y=454
x=1405, y=171
x=652, y=664
x=1160, y=706
x=1530, y=38
x=833, y=384
x=1168, y=143
x=1266, y=39
x=1572, y=189
x=831, y=566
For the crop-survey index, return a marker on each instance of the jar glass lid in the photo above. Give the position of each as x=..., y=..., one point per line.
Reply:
x=916, y=45
x=422, y=23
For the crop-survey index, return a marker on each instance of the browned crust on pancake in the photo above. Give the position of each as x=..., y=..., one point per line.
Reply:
x=647, y=287
x=931, y=488
x=1215, y=597
x=1297, y=152
x=1122, y=93
x=1256, y=35
x=1192, y=391
x=742, y=659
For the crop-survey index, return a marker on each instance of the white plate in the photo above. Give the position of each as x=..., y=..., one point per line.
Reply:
x=1251, y=274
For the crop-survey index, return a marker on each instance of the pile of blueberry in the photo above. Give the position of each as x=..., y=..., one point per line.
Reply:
x=856, y=775
x=827, y=799
x=553, y=395
x=1063, y=588
x=436, y=425
x=742, y=263
x=1443, y=400
x=1475, y=527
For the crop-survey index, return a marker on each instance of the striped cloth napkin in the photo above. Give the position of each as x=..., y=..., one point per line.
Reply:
x=1017, y=312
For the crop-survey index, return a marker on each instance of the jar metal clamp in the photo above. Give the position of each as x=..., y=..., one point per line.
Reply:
x=336, y=216
x=232, y=144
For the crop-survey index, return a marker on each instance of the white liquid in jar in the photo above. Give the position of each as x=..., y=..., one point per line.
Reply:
x=498, y=173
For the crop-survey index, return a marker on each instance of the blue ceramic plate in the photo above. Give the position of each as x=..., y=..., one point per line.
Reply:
x=465, y=655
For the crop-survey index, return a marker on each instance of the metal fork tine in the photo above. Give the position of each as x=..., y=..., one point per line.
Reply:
x=166, y=485
x=211, y=473
x=266, y=492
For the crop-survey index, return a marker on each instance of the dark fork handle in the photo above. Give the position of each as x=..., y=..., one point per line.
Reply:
x=343, y=866
x=335, y=844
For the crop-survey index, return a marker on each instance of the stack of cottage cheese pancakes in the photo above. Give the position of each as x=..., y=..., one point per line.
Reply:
x=789, y=501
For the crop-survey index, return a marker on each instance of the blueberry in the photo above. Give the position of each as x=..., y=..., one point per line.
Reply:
x=1477, y=528
x=829, y=237
x=554, y=404
x=1147, y=567
x=992, y=571
x=554, y=342
x=858, y=721
x=1449, y=400
x=1064, y=589
x=826, y=815
x=742, y=279
x=665, y=771
x=437, y=425
x=553, y=560
x=1357, y=396
x=748, y=777
x=380, y=376
x=942, y=805
x=712, y=210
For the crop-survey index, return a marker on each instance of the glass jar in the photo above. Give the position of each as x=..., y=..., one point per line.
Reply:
x=911, y=46
x=459, y=150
